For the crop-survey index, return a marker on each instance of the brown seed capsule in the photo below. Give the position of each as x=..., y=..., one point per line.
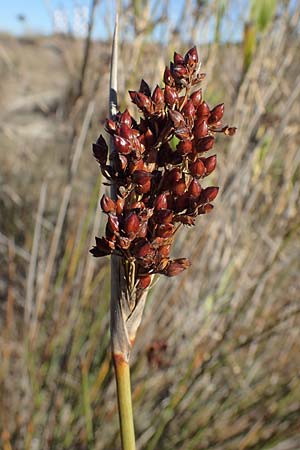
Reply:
x=143, y=188
x=121, y=162
x=163, y=216
x=120, y=205
x=168, y=78
x=200, y=129
x=205, y=144
x=144, y=88
x=111, y=126
x=181, y=203
x=131, y=223
x=197, y=168
x=126, y=118
x=194, y=189
x=216, y=114
x=100, y=150
x=160, y=202
x=141, y=177
x=177, y=118
x=126, y=132
x=158, y=98
x=191, y=56
x=185, y=147
x=209, y=194
x=179, y=187
x=205, y=209
x=103, y=247
x=171, y=96
x=164, y=250
x=122, y=145
x=165, y=230
x=189, y=110
x=210, y=164
x=124, y=242
x=143, y=250
x=143, y=230
x=203, y=110
x=182, y=133
x=178, y=59
x=229, y=131
x=196, y=98
x=107, y=204
x=113, y=223
x=179, y=71
x=144, y=282
x=176, y=266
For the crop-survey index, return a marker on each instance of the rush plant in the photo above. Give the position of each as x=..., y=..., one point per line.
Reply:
x=155, y=169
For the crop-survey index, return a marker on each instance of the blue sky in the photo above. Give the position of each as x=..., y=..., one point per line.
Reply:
x=39, y=15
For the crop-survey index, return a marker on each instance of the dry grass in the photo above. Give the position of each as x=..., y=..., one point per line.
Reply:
x=229, y=376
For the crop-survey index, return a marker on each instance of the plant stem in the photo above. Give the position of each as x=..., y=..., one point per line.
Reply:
x=122, y=372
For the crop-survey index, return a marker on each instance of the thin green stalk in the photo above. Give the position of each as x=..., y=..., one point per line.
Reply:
x=122, y=372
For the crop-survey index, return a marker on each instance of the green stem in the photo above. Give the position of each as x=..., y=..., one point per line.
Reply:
x=122, y=373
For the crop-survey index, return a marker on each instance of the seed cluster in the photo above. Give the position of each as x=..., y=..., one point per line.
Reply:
x=156, y=167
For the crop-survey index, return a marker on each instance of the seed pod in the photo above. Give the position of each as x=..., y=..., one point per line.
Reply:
x=179, y=71
x=113, y=223
x=194, y=189
x=203, y=110
x=205, y=144
x=168, y=78
x=229, y=131
x=185, y=147
x=209, y=194
x=205, y=209
x=141, y=176
x=110, y=126
x=165, y=230
x=143, y=230
x=107, y=204
x=120, y=205
x=126, y=118
x=182, y=133
x=177, y=118
x=131, y=223
x=189, y=110
x=179, y=187
x=176, y=266
x=171, y=96
x=144, y=88
x=164, y=250
x=209, y=163
x=103, y=247
x=143, y=250
x=191, y=57
x=122, y=145
x=181, y=203
x=124, y=242
x=178, y=59
x=126, y=132
x=216, y=114
x=143, y=188
x=197, y=168
x=100, y=150
x=163, y=216
x=160, y=202
x=196, y=98
x=158, y=98
x=144, y=282
x=200, y=129
x=121, y=162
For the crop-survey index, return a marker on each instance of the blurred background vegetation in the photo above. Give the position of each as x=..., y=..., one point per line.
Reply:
x=217, y=359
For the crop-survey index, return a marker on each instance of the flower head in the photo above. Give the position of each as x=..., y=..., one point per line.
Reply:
x=156, y=166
